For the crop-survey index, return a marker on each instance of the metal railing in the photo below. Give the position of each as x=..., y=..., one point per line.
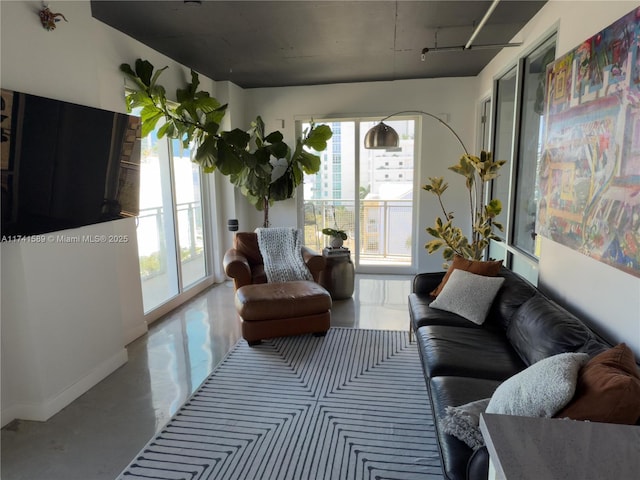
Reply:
x=385, y=226
x=151, y=238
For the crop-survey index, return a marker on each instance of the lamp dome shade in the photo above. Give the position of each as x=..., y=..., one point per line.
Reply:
x=381, y=136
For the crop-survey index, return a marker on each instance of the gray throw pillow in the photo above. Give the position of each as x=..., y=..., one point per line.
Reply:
x=463, y=422
x=468, y=295
x=540, y=390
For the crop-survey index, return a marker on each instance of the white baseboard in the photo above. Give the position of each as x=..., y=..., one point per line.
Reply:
x=46, y=409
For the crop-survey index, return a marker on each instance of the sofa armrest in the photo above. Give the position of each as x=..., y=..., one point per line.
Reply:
x=315, y=262
x=426, y=282
x=478, y=465
x=237, y=267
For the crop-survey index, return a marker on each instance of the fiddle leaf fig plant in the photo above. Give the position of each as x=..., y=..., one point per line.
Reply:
x=194, y=118
x=477, y=172
x=272, y=172
x=262, y=166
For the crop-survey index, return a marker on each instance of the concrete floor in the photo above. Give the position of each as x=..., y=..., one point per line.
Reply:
x=96, y=436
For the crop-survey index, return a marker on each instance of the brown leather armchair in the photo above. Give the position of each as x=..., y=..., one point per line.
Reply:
x=244, y=264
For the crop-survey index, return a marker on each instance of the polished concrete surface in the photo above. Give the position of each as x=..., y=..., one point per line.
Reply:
x=96, y=436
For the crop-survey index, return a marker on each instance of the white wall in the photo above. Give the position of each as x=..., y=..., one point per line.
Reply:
x=76, y=307
x=452, y=96
x=604, y=296
x=68, y=310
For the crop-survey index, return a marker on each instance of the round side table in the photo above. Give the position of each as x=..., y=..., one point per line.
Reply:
x=339, y=275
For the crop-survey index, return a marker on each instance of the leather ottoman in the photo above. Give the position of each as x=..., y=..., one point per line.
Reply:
x=269, y=310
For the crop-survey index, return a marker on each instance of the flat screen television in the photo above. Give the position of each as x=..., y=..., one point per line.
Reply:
x=65, y=165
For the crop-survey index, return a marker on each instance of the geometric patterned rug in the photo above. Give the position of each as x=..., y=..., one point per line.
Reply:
x=351, y=405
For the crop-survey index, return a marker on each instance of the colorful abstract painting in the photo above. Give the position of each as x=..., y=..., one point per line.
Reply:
x=589, y=176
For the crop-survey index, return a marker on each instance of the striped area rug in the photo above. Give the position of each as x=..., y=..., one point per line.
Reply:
x=351, y=405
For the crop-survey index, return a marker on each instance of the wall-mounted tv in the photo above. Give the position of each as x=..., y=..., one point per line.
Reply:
x=65, y=165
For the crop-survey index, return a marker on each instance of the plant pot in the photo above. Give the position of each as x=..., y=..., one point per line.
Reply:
x=336, y=242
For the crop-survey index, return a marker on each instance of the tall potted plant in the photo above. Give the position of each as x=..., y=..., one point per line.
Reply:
x=477, y=172
x=263, y=167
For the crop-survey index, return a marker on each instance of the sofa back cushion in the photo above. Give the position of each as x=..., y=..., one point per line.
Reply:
x=541, y=328
x=514, y=292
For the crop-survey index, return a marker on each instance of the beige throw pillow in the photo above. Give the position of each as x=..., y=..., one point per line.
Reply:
x=468, y=295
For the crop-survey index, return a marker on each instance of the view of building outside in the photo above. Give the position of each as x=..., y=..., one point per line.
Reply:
x=383, y=183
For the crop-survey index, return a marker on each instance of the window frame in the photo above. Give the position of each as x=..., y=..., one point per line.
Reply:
x=515, y=257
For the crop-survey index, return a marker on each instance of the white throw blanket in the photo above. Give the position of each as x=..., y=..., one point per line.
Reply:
x=281, y=250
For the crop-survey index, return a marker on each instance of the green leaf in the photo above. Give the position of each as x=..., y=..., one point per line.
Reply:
x=493, y=208
x=434, y=245
x=448, y=254
x=318, y=137
x=167, y=129
x=433, y=232
x=310, y=162
x=149, y=124
x=228, y=161
x=236, y=137
x=144, y=71
x=154, y=79
x=279, y=150
x=274, y=137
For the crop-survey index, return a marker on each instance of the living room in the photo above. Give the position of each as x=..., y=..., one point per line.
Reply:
x=88, y=298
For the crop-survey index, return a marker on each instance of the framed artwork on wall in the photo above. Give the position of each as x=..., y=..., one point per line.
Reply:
x=589, y=175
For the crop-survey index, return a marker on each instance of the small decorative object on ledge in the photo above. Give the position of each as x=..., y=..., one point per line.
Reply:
x=335, y=252
x=48, y=18
x=337, y=236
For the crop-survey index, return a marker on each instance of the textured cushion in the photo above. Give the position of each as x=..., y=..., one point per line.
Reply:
x=608, y=389
x=463, y=422
x=469, y=295
x=542, y=389
x=488, y=269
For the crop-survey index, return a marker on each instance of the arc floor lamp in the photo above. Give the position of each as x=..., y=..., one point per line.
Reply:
x=383, y=136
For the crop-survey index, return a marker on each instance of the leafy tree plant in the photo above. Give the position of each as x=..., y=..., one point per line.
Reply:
x=478, y=172
x=262, y=166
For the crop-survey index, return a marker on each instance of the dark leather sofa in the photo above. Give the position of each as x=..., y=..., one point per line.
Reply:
x=464, y=362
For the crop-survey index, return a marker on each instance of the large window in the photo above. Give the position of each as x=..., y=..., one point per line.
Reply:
x=170, y=233
x=368, y=193
x=529, y=154
x=505, y=92
x=518, y=127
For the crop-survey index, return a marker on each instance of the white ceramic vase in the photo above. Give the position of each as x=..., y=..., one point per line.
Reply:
x=336, y=242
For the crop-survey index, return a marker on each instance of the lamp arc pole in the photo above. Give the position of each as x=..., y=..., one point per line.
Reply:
x=432, y=116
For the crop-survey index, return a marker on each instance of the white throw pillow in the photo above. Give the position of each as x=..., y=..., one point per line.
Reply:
x=468, y=295
x=540, y=390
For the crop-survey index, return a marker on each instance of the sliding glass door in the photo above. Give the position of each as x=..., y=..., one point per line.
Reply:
x=171, y=244
x=368, y=193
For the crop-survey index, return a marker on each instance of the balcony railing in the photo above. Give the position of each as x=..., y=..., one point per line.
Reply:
x=385, y=227
x=151, y=239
